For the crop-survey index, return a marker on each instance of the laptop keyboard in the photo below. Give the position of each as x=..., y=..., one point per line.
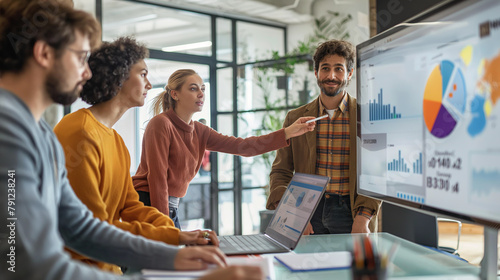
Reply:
x=250, y=242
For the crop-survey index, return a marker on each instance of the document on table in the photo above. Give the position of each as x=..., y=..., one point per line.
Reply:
x=266, y=264
x=316, y=261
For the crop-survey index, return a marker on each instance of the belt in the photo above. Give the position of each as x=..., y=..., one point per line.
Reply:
x=173, y=201
x=337, y=198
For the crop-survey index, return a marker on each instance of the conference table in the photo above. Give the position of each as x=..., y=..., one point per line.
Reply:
x=409, y=261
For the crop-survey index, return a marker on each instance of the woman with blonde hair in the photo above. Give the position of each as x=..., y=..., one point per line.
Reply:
x=174, y=144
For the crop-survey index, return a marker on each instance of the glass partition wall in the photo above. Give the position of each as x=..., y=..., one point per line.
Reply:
x=241, y=98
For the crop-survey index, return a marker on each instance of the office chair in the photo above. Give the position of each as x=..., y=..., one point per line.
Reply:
x=451, y=250
x=416, y=227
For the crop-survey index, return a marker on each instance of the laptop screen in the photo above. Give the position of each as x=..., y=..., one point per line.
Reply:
x=296, y=208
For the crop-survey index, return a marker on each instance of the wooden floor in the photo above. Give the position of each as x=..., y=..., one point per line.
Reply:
x=471, y=244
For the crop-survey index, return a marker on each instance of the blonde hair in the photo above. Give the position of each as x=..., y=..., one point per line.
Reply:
x=164, y=101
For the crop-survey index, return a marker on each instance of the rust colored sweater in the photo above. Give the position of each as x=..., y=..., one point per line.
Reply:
x=172, y=152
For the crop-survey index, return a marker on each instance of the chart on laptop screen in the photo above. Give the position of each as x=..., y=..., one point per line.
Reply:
x=295, y=209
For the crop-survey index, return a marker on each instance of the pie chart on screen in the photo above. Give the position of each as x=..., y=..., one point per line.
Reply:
x=444, y=99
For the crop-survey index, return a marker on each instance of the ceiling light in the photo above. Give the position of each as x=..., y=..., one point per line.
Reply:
x=127, y=21
x=184, y=47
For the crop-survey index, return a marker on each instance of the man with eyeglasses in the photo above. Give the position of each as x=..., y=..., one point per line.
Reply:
x=84, y=55
x=44, y=47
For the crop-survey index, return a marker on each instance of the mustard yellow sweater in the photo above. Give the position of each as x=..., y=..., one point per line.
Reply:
x=98, y=165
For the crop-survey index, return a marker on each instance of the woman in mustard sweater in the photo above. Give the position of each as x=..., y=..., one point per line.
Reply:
x=97, y=159
x=173, y=146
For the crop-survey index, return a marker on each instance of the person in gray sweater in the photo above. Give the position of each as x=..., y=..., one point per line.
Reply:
x=44, y=48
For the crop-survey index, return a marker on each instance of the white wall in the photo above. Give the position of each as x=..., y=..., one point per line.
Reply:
x=127, y=128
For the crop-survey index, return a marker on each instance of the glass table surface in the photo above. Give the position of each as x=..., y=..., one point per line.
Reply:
x=410, y=260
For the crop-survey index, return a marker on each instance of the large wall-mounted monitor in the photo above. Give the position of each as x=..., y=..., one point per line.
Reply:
x=428, y=94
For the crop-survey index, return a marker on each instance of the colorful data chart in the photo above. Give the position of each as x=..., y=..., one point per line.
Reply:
x=398, y=164
x=380, y=111
x=444, y=99
x=417, y=165
x=299, y=200
x=411, y=197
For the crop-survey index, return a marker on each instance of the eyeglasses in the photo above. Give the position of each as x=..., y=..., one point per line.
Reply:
x=83, y=55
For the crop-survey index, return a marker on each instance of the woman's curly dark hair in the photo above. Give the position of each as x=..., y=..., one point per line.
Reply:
x=110, y=66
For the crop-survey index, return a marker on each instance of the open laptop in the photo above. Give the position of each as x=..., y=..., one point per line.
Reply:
x=289, y=221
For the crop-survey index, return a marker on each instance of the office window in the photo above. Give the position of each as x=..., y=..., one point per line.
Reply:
x=253, y=202
x=224, y=40
x=162, y=28
x=225, y=89
x=260, y=88
x=226, y=213
x=255, y=170
x=302, y=85
x=225, y=161
x=253, y=41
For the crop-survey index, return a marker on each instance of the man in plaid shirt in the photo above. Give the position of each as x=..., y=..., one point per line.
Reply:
x=330, y=151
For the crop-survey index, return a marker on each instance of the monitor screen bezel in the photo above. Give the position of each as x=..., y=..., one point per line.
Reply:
x=439, y=10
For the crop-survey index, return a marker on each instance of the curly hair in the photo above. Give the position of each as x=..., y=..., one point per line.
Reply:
x=110, y=66
x=339, y=47
x=24, y=22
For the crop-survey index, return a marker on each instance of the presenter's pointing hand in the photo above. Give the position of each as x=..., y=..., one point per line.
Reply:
x=299, y=127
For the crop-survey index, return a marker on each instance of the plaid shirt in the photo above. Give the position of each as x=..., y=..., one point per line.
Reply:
x=332, y=148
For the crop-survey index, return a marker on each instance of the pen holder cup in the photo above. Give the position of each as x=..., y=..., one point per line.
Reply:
x=365, y=272
x=367, y=263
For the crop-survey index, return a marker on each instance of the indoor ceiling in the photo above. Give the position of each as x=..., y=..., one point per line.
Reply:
x=177, y=30
x=281, y=11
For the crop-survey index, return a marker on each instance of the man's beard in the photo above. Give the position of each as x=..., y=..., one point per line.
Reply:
x=332, y=92
x=53, y=86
